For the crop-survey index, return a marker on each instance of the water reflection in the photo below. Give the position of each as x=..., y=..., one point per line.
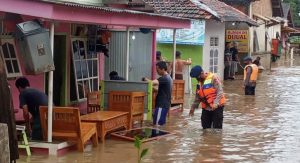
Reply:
x=262, y=128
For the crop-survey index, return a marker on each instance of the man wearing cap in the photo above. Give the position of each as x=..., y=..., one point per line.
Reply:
x=210, y=94
x=250, y=76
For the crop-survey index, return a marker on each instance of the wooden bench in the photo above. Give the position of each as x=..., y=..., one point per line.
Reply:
x=178, y=93
x=177, y=97
x=67, y=126
x=127, y=101
x=93, y=102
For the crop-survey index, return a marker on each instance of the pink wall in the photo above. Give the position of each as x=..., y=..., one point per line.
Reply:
x=35, y=81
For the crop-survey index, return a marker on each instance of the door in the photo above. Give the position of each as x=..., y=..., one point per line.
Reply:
x=140, y=59
x=60, y=74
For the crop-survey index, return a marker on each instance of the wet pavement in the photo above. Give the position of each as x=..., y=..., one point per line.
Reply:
x=261, y=128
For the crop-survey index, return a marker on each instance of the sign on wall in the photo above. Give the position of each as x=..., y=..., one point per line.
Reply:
x=241, y=37
x=294, y=39
x=193, y=36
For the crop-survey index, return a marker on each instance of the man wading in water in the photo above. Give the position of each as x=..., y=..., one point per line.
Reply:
x=164, y=92
x=210, y=94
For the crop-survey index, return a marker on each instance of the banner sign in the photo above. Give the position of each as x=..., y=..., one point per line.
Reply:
x=294, y=39
x=241, y=37
x=193, y=36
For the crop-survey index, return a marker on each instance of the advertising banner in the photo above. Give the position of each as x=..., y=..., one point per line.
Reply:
x=241, y=37
x=193, y=36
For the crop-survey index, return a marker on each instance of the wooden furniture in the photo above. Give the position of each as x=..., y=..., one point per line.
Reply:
x=178, y=93
x=132, y=102
x=24, y=142
x=93, y=102
x=66, y=125
x=107, y=121
x=146, y=134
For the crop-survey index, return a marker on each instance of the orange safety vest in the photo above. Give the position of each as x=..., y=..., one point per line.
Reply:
x=254, y=73
x=209, y=93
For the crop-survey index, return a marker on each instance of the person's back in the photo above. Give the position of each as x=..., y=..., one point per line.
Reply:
x=33, y=98
x=179, y=66
x=30, y=101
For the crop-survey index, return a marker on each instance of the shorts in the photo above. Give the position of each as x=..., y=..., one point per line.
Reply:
x=160, y=116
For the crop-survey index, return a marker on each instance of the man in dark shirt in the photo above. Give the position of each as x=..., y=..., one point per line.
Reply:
x=235, y=60
x=30, y=101
x=164, y=92
x=115, y=76
x=227, y=61
x=163, y=98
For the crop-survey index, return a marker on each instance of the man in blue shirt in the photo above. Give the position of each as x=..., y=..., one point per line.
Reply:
x=164, y=92
x=30, y=101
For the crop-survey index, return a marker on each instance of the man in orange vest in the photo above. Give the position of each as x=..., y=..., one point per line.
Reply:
x=210, y=94
x=250, y=76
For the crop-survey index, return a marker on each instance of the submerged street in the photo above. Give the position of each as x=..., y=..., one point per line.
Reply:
x=262, y=128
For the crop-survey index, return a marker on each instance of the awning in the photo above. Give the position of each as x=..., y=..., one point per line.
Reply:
x=88, y=14
x=261, y=17
x=273, y=21
x=289, y=30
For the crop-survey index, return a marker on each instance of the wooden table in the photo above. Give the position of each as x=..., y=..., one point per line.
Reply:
x=107, y=121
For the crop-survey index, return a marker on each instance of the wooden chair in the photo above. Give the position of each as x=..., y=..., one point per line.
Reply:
x=178, y=93
x=127, y=101
x=93, y=102
x=67, y=126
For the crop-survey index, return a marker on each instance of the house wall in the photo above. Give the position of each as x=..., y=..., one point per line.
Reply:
x=214, y=29
x=272, y=33
x=36, y=81
x=140, y=55
x=261, y=33
x=195, y=52
x=263, y=7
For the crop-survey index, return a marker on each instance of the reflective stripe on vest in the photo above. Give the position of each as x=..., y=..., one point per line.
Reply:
x=254, y=73
x=208, y=92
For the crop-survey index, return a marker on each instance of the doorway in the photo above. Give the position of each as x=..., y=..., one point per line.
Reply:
x=60, y=73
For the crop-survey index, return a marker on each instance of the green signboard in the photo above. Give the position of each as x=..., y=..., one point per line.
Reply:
x=294, y=39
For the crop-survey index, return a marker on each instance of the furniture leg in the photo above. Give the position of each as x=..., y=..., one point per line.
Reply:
x=26, y=144
x=80, y=145
x=103, y=137
x=95, y=139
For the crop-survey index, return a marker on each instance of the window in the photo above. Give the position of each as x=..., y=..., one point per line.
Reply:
x=214, y=41
x=213, y=63
x=213, y=54
x=9, y=56
x=85, y=65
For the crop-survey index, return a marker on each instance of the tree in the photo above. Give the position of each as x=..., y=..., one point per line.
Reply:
x=295, y=9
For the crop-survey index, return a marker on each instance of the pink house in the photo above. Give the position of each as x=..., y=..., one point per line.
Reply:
x=72, y=25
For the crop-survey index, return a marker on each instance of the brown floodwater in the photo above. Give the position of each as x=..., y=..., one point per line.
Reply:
x=261, y=128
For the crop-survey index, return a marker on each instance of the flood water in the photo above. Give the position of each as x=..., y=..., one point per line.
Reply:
x=261, y=128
